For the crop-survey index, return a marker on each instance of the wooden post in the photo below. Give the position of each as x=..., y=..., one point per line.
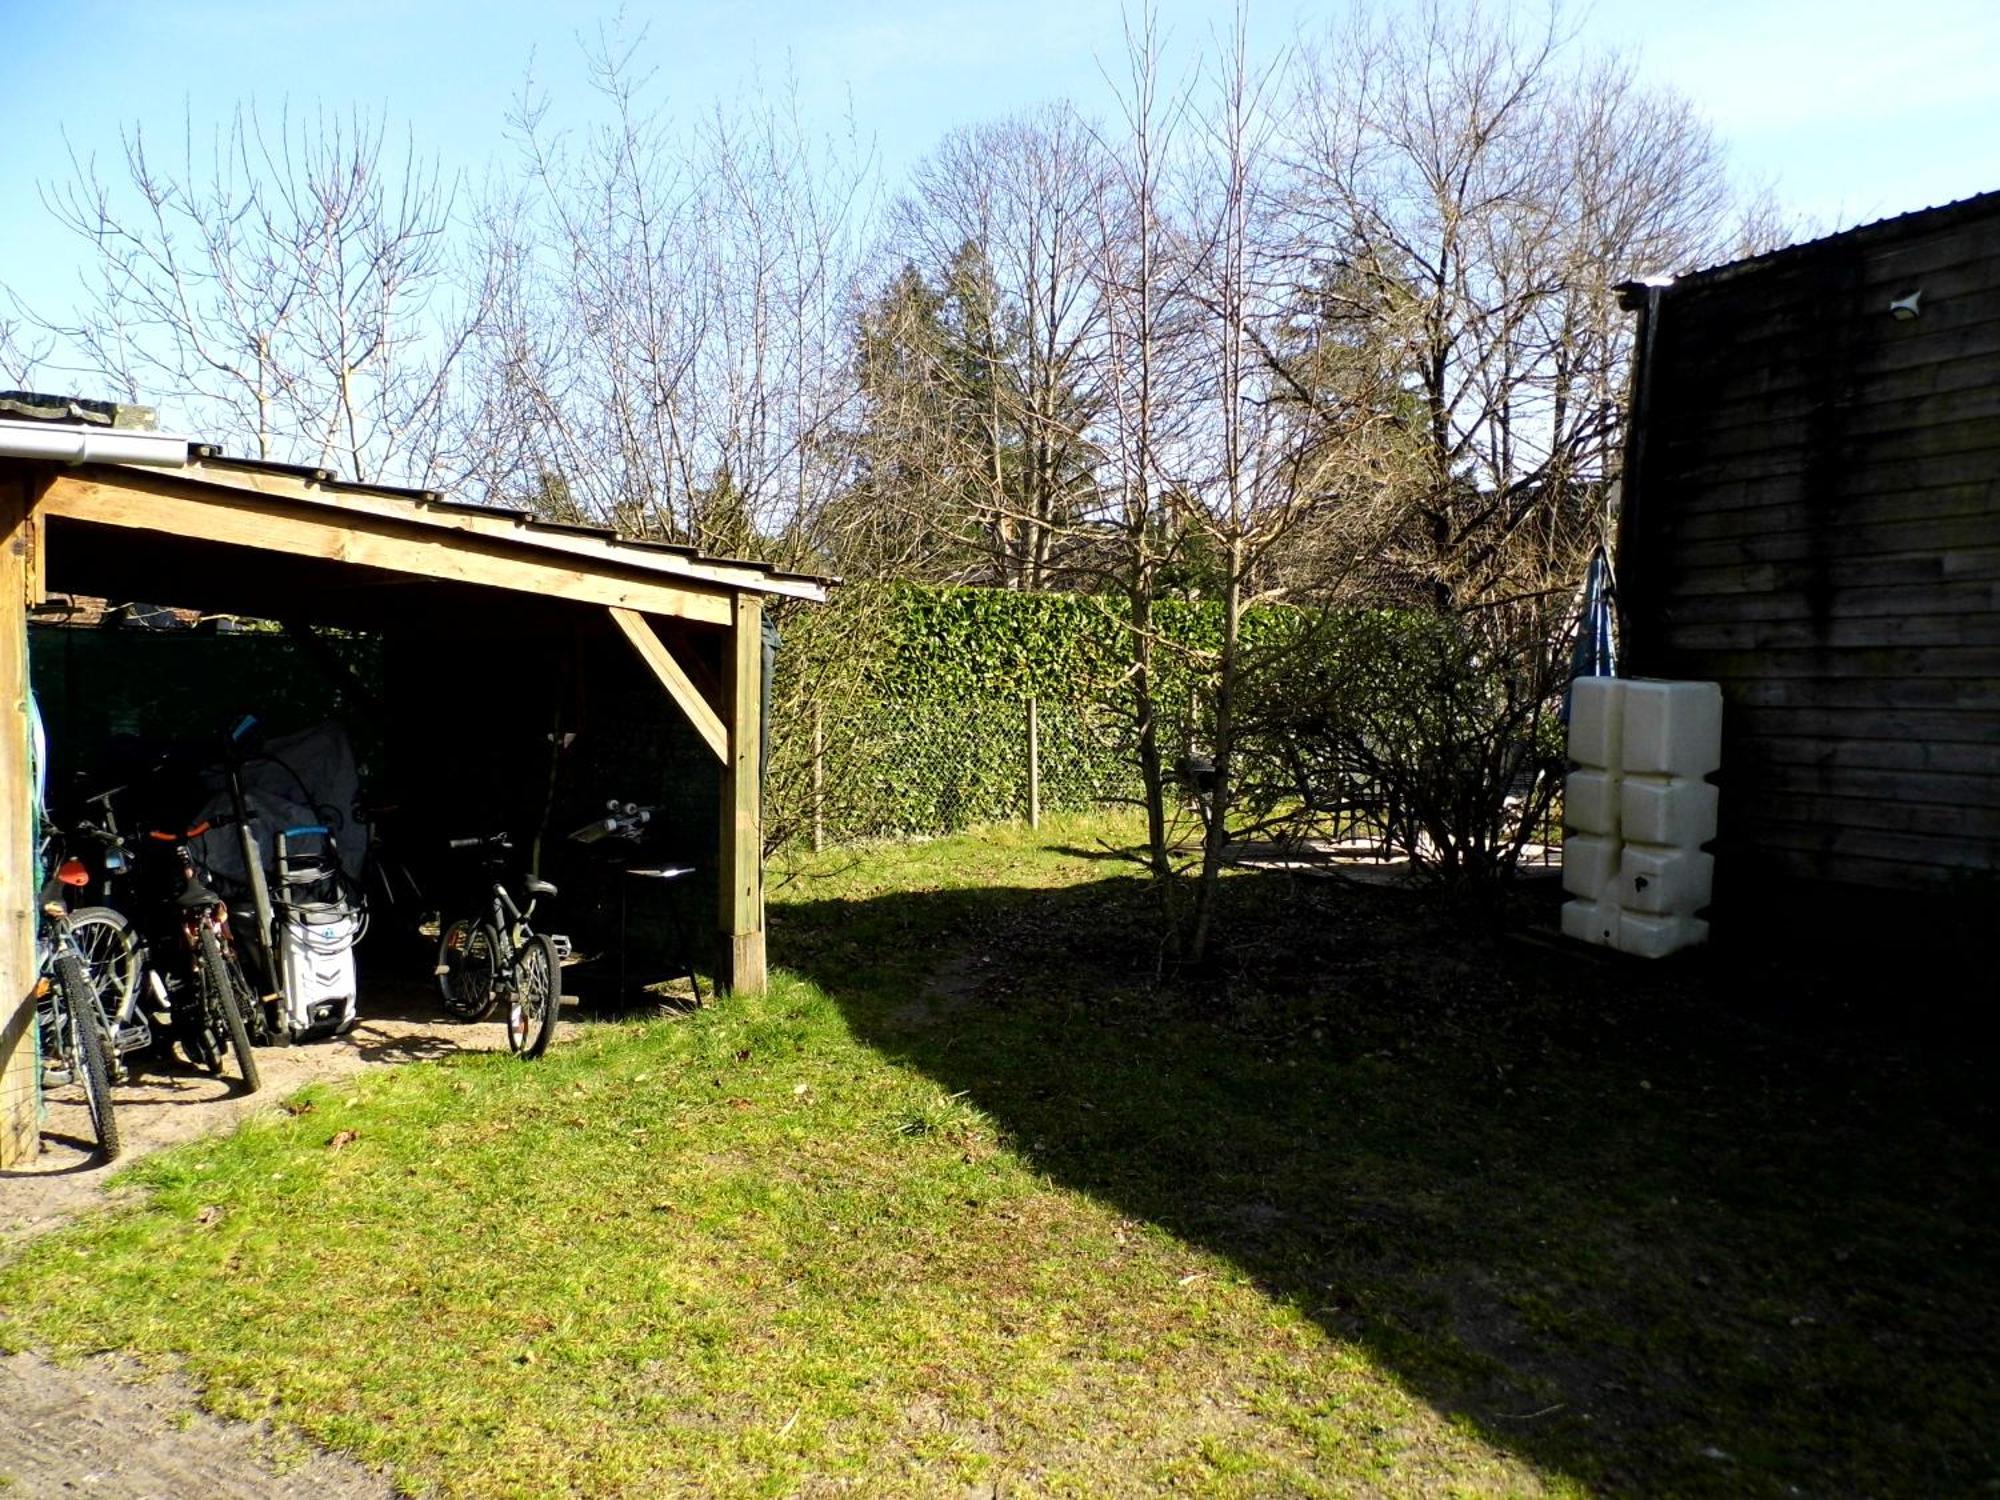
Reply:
x=1034, y=764
x=740, y=894
x=20, y=1130
x=819, y=780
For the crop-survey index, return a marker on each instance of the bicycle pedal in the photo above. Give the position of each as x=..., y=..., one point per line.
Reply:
x=562, y=945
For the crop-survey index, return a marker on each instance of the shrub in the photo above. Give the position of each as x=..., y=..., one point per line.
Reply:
x=1440, y=732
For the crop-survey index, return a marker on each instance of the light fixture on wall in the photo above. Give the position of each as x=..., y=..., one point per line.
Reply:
x=1905, y=308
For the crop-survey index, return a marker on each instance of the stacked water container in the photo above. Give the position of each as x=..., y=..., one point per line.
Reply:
x=1637, y=810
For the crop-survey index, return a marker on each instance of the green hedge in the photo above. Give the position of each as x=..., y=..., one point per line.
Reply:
x=922, y=692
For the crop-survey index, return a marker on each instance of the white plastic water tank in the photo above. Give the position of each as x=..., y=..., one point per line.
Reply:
x=1591, y=922
x=1661, y=879
x=1590, y=865
x=1591, y=802
x=1678, y=810
x=1596, y=721
x=1651, y=935
x=1670, y=728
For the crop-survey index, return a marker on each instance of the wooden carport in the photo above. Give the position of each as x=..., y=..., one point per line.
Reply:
x=280, y=542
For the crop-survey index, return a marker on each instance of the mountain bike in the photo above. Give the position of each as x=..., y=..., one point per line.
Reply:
x=484, y=960
x=76, y=1046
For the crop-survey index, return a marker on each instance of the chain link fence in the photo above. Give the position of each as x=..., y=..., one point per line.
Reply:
x=914, y=768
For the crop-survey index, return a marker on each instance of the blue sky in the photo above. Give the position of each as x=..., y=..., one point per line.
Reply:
x=1852, y=109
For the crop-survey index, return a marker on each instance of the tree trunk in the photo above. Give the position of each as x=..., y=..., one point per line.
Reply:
x=1215, y=835
x=1152, y=780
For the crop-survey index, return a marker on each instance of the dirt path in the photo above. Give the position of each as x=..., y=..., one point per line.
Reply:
x=100, y=1427
x=97, y=1428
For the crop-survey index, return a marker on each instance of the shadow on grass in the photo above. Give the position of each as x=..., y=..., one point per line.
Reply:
x=1703, y=1229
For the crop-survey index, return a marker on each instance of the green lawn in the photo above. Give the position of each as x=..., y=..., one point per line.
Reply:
x=981, y=1195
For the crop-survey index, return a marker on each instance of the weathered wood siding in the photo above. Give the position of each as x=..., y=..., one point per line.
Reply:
x=1814, y=522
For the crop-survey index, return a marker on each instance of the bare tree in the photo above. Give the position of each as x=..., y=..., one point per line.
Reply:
x=670, y=348
x=1001, y=221
x=1471, y=186
x=1255, y=461
x=1141, y=290
x=293, y=291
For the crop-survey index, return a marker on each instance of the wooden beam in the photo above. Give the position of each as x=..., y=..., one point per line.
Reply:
x=20, y=1130
x=143, y=501
x=652, y=650
x=411, y=511
x=36, y=579
x=740, y=893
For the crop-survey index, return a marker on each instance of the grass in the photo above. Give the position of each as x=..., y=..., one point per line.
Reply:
x=978, y=1198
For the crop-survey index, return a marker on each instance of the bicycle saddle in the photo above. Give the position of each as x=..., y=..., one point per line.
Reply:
x=195, y=896
x=539, y=887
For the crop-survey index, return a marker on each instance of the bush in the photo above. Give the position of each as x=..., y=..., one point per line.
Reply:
x=1441, y=733
x=1437, y=733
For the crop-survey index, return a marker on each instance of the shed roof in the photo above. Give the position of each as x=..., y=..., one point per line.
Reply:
x=575, y=542
x=1939, y=216
x=574, y=539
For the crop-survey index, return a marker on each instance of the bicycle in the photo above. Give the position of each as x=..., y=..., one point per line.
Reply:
x=212, y=1006
x=113, y=952
x=483, y=961
x=75, y=1046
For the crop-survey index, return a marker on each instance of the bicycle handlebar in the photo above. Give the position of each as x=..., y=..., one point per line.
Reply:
x=492, y=840
x=214, y=820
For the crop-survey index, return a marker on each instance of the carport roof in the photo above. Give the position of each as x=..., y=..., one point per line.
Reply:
x=207, y=462
x=85, y=448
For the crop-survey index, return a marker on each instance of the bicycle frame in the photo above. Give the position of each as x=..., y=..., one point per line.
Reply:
x=510, y=920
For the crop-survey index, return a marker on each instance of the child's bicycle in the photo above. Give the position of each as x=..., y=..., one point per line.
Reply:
x=484, y=960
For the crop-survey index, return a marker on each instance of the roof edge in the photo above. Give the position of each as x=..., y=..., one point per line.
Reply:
x=1941, y=215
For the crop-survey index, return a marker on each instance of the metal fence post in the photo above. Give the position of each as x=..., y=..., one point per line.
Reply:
x=819, y=781
x=1034, y=764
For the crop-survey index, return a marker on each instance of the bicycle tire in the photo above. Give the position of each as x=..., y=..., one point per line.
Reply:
x=225, y=996
x=110, y=954
x=536, y=997
x=468, y=969
x=93, y=1063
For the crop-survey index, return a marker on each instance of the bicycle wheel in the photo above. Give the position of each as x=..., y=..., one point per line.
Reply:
x=92, y=1049
x=226, y=998
x=468, y=969
x=110, y=955
x=536, y=997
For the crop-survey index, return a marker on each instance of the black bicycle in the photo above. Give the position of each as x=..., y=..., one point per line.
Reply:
x=76, y=1039
x=484, y=960
x=212, y=1006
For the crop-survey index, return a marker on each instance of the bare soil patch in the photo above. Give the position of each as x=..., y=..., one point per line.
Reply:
x=103, y=1427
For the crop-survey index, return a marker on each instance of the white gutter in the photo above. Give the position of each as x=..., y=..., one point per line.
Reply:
x=70, y=443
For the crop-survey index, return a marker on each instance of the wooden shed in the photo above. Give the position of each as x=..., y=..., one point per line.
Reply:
x=457, y=589
x=1811, y=517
